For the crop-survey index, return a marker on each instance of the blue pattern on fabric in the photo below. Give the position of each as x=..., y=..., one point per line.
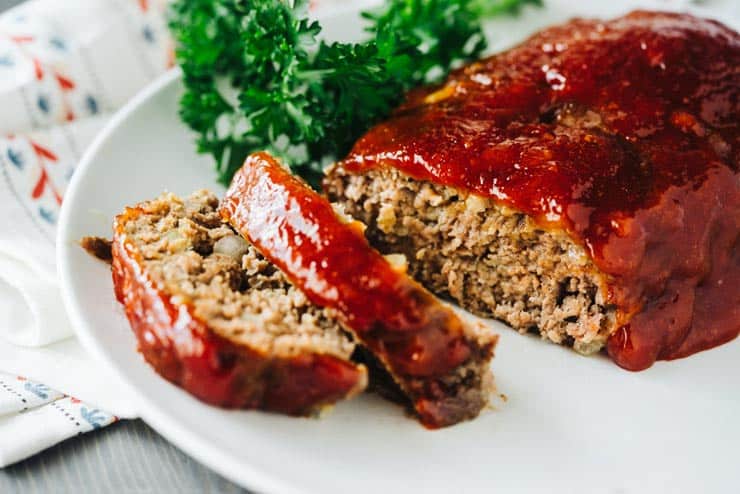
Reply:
x=92, y=105
x=43, y=103
x=16, y=158
x=47, y=215
x=40, y=390
x=94, y=417
x=148, y=34
x=58, y=43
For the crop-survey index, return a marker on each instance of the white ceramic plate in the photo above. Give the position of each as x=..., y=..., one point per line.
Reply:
x=571, y=424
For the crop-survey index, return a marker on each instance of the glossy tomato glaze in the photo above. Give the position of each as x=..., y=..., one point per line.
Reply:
x=185, y=351
x=623, y=133
x=405, y=326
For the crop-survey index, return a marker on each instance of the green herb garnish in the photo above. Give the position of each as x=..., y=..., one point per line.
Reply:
x=257, y=78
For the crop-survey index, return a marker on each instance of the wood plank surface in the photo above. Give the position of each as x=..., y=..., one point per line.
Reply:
x=125, y=458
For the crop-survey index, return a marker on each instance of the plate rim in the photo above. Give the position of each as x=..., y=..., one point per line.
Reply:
x=193, y=443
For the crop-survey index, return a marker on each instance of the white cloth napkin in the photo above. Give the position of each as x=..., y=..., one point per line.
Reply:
x=65, y=67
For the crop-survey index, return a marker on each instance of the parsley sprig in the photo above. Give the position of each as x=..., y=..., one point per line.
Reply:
x=257, y=77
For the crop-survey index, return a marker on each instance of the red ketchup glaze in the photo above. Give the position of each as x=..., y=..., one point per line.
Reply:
x=623, y=133
x=333, y=264
x=183, y=350
x=296, y=229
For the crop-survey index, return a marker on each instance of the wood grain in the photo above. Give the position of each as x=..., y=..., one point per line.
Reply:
x=126, y=458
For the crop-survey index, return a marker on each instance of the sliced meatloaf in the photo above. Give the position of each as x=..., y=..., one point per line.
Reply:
x=214, y=317
x=584, y=185
x=439, y=362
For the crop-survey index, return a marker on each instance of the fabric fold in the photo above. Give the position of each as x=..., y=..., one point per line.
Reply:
x=34, y=417
x=33, y=314
x=67, y=367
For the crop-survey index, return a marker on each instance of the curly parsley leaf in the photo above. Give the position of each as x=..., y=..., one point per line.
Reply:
x=423, y=39
x=257, y=78
x=489, y=8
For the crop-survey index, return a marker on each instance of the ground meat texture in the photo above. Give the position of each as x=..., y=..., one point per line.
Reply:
x=213, y=316
x=490, y=259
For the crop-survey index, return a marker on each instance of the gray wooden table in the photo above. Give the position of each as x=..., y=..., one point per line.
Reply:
x=125, y=458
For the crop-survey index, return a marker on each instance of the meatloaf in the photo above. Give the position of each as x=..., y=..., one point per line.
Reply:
x=438, y=362
x=213, y=316
x=584, y=185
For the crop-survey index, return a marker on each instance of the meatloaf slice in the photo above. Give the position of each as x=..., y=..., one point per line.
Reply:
x=214, y=317
x=439, y=362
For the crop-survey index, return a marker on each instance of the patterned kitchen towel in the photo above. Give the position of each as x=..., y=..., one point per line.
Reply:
x=34, y=417
x=65, y=67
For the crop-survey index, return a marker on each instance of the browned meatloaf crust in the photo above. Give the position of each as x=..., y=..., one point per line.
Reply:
x=214, y=317
x=584, y=184
x=440, y=363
